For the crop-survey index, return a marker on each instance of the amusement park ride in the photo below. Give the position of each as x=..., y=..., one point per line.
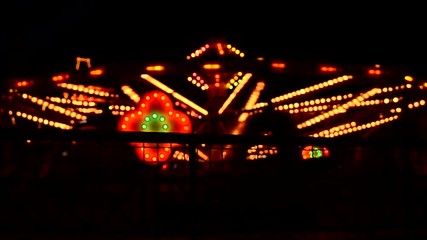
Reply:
x=216, y=90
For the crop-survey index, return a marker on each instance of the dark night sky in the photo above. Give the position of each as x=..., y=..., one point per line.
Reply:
x=42, y=36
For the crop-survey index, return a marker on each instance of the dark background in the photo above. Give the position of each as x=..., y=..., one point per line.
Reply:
x=45, y=36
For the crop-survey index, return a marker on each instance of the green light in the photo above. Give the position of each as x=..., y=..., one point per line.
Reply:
x=316, y=153
x=155, y=122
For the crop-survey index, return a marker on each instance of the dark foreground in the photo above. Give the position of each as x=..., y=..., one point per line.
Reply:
x=90, y=191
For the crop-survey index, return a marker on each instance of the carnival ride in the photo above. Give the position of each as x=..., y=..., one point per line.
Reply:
x=217, y=90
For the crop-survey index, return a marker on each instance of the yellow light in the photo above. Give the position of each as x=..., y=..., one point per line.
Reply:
x=409, y=78
x=176, y=95
x=230, y=98
x=85, y=60
x=211, y=66
x=157, y=68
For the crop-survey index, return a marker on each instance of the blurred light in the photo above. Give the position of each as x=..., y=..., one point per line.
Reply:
x=85, y=60
x=375, y=71
x=59, y=78
x=328, y=69
x=212, y=66
x=155, y=68
x=278, y=65
x=23, y=83
x=409, y=78
x=96, y=72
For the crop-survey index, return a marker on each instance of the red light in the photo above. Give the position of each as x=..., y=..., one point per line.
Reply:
x=328, y=69
x=21, y=84
x=314, y=152
x=374, y=71
x=96, y=72
x=220, y=49
x=155, y=114
x=60, y=78
x=278, y=65
x=165, y=166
